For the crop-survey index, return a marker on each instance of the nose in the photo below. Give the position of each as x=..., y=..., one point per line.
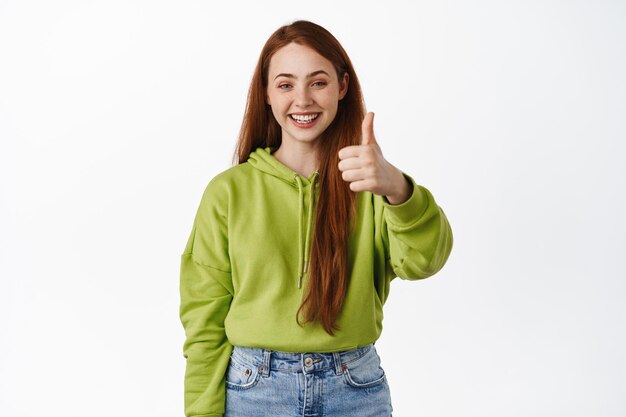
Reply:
x=303, y=97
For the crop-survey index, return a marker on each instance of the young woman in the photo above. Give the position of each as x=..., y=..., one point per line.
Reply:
x=293, y=249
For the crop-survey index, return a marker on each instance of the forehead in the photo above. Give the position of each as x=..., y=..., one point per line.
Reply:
x=298, y=60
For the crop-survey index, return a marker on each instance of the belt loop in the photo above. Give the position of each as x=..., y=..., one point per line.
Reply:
x=338, y=363
x=266, y=362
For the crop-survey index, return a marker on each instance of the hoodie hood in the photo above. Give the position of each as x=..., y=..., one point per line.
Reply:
x=263, y=160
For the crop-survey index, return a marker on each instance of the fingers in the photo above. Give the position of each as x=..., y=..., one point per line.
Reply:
x=356, y=175
x=367, y=138
x=367, y=129
x=349, y=163
x=362, y=165
x=361, y=185
x=349, y=152
x=356, y=161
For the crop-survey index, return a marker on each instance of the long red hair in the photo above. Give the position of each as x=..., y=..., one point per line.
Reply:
x=336, y=207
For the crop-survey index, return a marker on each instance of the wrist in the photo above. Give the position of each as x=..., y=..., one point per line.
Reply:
x=404, y=190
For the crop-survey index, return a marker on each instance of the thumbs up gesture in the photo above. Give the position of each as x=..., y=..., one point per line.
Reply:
x=365, y=168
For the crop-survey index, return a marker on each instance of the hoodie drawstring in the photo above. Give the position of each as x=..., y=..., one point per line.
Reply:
x=303, y=252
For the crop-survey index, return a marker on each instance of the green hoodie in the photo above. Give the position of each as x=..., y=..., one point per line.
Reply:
x=243, y=270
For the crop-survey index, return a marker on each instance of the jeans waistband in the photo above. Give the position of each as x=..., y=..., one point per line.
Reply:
x=267, y=359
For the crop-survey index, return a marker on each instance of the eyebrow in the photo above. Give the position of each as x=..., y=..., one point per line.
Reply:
x=312, y=74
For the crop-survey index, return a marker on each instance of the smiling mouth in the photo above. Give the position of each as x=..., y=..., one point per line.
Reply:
x=304, y=119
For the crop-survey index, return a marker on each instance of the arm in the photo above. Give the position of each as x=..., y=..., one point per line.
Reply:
x=416, y=233
x=205, y=295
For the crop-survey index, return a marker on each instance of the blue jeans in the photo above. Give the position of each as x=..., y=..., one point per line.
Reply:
x=350, y=383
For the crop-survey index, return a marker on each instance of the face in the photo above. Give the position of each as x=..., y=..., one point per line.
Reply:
x=304, y=92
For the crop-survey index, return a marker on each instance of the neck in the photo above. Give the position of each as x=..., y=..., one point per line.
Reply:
x=300, y=157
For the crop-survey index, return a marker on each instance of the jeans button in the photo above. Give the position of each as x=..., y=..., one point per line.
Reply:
x=308, y=361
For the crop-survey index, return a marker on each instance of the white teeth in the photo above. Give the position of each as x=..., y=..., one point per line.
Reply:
x=304, y=119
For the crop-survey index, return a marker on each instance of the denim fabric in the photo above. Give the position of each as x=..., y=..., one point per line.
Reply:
x=262, y=382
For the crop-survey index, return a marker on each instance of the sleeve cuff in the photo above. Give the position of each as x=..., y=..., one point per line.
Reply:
x=409, y=211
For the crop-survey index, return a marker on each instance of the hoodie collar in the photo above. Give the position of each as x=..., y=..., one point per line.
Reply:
x=263, y=160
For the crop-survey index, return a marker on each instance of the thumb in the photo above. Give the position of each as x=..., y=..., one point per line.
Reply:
x=367, y=129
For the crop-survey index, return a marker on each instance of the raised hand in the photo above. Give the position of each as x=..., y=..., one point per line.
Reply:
x=365, y=168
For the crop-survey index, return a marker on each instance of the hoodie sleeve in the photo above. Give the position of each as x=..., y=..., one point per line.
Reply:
x=416, y=234
x=206, y=292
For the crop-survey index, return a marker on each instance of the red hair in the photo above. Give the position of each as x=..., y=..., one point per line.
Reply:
x=336, y=207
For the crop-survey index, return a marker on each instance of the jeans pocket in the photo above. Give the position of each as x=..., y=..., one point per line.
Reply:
x=240, y=374
x=365, y=371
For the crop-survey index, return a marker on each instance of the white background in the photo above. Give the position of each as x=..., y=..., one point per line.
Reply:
x=115, y=114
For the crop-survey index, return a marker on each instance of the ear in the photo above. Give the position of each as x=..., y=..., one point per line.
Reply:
x=344, y=86
x=267, y=99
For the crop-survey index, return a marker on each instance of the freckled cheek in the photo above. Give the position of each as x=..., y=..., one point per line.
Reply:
x=331, y=106
x=330, y=101
x=279, y=107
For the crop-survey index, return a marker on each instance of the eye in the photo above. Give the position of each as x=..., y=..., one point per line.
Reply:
x=319, y=83
x=284, y=86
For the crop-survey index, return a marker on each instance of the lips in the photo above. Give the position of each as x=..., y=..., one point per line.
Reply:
x=304, y=120
x=304, y=117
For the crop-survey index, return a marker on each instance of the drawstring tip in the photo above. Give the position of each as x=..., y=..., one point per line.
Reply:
x=299, y=281
x=306, y=264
